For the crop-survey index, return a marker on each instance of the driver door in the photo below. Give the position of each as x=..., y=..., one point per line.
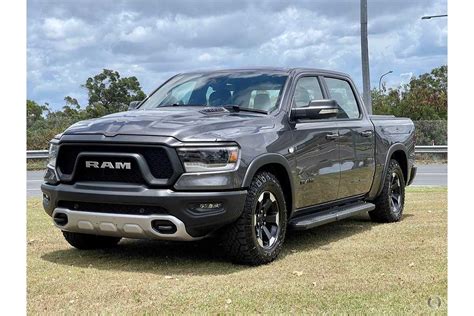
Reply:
x=316, y=149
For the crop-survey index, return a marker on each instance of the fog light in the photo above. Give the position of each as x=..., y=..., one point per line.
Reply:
x=206, y=207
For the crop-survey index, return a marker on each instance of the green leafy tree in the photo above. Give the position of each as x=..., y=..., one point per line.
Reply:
x=43, y=129
x=424, y=98
x=34, y=112
x=109, y=93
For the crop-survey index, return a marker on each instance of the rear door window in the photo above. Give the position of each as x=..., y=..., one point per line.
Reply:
x=341, y=91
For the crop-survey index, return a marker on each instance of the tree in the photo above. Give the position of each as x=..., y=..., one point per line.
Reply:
x=109, y=93
x=423, y=98
x=34, y=112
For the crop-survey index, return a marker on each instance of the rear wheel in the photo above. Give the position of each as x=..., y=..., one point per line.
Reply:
x=390, y=203
x=258, y=235
x=85, y=241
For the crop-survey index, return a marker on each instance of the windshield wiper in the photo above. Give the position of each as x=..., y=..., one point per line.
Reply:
x=177, y=104
x=237, y=108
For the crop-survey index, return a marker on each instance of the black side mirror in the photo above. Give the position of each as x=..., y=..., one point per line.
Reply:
x=134, y=105
x=316, y=109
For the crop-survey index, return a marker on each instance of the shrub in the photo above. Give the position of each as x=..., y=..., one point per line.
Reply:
x=431, y=132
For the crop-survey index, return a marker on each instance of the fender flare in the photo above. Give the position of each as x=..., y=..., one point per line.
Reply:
x=265, y=159
x=391, y=150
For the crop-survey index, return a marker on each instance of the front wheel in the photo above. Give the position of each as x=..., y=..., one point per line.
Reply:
x=390, y=203
x=258, y=234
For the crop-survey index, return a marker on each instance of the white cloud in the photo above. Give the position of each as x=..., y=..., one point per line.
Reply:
x=65, y=34
x=59, y=29
x=137, y=35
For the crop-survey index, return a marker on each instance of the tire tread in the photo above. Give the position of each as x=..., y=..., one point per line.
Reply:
x=237, y=239
x=383, y=213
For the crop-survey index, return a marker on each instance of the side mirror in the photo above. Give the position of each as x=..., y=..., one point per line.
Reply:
x=316, y=109
x=134, y=105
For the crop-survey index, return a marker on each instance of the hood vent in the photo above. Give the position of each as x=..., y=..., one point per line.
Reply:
x=213, y=110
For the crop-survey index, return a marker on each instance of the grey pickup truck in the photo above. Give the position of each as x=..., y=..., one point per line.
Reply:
x=242, y=155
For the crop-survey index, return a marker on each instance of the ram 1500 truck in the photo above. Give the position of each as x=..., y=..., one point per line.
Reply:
x=239, y=154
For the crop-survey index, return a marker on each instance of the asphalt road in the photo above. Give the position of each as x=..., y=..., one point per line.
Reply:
x=33, y=183
x=428, y=175
x=432, y=175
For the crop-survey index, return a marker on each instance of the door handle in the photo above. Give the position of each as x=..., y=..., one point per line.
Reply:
x=366, y=133
x=332, y=136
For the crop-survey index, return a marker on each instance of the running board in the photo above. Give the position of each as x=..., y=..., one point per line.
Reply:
x=331, y=215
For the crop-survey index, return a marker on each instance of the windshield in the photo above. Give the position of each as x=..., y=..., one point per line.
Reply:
x=259, y=91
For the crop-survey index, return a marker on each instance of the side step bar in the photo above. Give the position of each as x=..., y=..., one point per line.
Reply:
x=334, y=214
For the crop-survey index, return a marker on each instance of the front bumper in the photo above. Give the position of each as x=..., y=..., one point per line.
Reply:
x=190, y=223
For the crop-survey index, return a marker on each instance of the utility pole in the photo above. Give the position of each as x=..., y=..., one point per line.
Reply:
x=365, y=55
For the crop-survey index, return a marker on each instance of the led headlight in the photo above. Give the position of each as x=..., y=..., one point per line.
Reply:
x=53, y=154
x=208, y=159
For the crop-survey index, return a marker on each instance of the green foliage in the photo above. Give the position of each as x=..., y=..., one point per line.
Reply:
x=431, y=132
x=108, y=93
x=45, y=128
x=423, y=98
x=34, y=112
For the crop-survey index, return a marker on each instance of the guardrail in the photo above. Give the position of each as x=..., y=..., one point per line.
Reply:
x=36, y=154
x=437, y=149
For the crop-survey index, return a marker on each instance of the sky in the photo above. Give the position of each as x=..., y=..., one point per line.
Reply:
x=69, y=41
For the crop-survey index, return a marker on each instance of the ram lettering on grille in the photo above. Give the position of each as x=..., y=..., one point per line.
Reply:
x=108, y=165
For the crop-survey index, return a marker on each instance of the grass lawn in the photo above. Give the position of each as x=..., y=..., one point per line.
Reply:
x=348, y=266
x=36, y=164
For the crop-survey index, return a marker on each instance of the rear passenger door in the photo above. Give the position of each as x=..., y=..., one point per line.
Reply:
x=356, y=139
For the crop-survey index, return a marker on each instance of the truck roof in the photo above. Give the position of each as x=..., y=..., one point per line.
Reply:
x=282, y=70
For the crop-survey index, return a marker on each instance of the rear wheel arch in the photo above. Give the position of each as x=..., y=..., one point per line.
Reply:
x=277, y=165
x=401, y=157
x=398, y=152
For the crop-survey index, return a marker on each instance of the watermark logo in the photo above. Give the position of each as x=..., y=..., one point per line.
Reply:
x=434, y=302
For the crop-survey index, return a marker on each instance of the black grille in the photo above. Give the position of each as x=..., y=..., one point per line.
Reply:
x=112, y=208
x=156, y=157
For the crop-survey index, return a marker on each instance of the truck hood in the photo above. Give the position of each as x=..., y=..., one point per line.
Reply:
x=182, y=123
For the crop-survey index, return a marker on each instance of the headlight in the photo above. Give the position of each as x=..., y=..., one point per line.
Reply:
x=207, y=159
x=53, y=153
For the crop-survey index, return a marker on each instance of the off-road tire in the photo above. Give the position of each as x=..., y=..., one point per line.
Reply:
x=384, y=211
x=239, y=239
x=87, y=242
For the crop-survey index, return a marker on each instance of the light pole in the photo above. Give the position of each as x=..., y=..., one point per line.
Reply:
x=364, y=46
x=429, y=17
x=380, y=80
